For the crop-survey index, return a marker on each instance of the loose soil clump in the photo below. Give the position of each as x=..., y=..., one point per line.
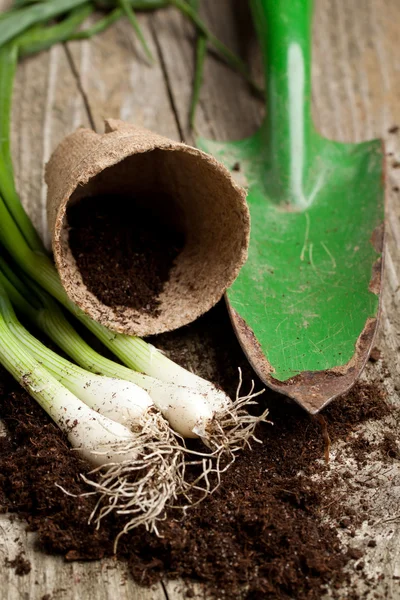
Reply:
x=124, y=252
x=20, y=564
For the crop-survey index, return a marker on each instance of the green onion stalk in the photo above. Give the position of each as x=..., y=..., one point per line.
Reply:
x=91, y=433
x=137, y=462
x=113, y=394
x=201, y=50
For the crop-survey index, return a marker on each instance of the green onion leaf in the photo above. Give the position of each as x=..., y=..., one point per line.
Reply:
x=8, y=63
x=127, y=8
x=17, y=21
x=43, y=37
x=201, y=48
x=135, y=4
x=98, y=27
x=230, y=57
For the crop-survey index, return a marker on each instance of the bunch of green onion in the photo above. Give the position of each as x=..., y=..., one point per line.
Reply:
x=128, y=421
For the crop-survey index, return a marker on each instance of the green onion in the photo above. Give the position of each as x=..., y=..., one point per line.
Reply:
x=193, y=406
x=138, y=461
x=188, y=408
x=97, y=438
x=127, y=8
x=17, y=21
x=98, y=27
x=8, y=63
x=230, y=57
x=201, y=49
x=41, y=37
x=119, y=400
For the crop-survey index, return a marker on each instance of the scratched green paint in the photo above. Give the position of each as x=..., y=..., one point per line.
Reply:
x=314, y=204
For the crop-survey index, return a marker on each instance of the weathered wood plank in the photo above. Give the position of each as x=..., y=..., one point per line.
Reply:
x=119, y=83
x=47, y=106
x=227, y=110
x=61, y=580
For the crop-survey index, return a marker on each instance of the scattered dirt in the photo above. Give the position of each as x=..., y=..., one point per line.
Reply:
x=124, y=253
x=20, y=564
x=390, y=446
x=262, y=531
x=375, y=355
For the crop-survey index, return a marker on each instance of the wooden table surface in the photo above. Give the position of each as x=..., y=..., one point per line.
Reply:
x=356, y=96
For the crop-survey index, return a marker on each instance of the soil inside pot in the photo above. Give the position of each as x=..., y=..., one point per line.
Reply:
x=123, y=250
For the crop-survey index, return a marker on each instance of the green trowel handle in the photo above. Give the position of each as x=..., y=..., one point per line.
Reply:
x=284, y=31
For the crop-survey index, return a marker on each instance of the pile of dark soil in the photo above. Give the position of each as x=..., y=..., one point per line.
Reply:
x=262, y=530
x=124, y=253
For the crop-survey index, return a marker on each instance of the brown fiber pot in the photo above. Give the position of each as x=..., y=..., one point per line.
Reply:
x=129, y=160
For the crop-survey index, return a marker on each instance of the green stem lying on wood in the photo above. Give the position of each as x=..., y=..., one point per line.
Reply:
x=98, y=27
x=17, y=21
x=8, y=63
x=112, y=424
x=201, y=49
x=127, y=8
x=41, y=37
x=230, y=57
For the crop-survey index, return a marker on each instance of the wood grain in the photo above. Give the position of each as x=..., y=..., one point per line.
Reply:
x=356, y=79
x=119, y=83
x=52, y=575
x=47, y=106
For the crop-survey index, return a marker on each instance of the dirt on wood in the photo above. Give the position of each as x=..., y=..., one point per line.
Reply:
x=273, y=529
x=20, y=564
x=262, y=530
